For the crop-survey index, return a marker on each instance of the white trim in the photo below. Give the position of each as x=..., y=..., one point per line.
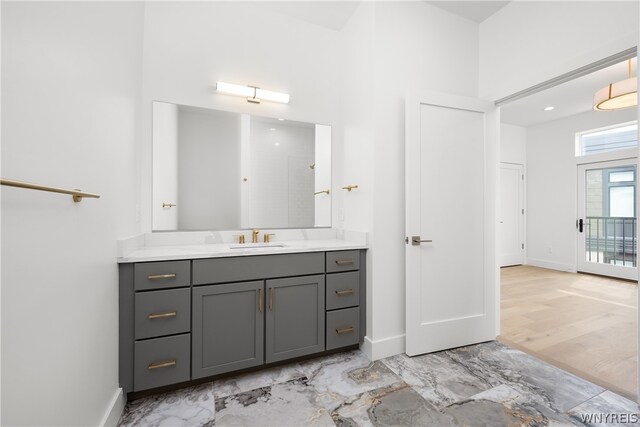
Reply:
x=571, y=75
x=114, y=410
x=629, y=153
x=552, y=265
x=386, y=347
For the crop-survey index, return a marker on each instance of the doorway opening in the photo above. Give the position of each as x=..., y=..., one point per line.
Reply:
x=573, y=299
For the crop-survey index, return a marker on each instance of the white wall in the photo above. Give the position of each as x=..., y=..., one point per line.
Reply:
x=513, y=144
x=551, y=186
x=208, y=170
x=188, y=46
x=70, y=98
x=403, y=43
x=528, y=42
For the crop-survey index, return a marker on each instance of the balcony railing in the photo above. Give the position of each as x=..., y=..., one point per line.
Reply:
x=611, y=240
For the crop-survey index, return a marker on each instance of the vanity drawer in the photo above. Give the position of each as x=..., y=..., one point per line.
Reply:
x=161, y=361
x=246, y=268
x=160, y=313
x=343, y=327
x=161, y=275
x=343, y=261
x=343, y=290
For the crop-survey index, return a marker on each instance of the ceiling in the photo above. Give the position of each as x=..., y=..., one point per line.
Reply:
x=329, y=14
x=568, y=99
x=335, y=14
x=476, y=11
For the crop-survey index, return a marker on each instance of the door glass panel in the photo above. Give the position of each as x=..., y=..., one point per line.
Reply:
x=625, y=176
x=610, y=223
x=621, y=200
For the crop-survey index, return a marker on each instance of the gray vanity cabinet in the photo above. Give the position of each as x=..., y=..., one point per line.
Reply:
x=295, y=317
x=227, y=331
x=185, y=320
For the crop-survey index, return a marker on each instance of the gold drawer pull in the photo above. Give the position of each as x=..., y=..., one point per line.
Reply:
x=159, y=365
x=344, y=292
x=344, y=261
x=163, y=315
x=344, y=330
x=161, y=276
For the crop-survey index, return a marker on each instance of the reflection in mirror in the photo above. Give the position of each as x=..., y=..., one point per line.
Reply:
x=216, y=170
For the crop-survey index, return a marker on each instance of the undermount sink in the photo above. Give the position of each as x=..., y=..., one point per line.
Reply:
x=257, y=246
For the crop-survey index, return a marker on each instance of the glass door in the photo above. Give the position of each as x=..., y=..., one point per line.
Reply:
x=607, y=222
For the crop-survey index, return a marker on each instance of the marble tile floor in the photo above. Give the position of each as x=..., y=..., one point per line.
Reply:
x=486, y=384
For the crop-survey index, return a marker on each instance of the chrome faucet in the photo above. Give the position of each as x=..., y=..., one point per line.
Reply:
x=254, y=236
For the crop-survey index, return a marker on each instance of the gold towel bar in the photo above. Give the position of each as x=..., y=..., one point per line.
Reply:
x=77, y=194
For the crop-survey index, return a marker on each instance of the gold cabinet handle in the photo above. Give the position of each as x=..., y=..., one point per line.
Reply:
x=344, y=261
x=270, y=298
x=327, y=192
x=168, y=205
x=161, y=276
x=344, y=292
x=344, y=330
x=260, y=299
x=163, y=315
x=159, y=365
x=350, y=187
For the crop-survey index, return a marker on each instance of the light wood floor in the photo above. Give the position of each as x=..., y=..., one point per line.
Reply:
x=584, y=324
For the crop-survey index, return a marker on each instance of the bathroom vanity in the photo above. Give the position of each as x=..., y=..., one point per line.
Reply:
x=198, y=315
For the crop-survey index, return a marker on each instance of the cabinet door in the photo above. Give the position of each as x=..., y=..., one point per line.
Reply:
x=295, y=317
x=228, y=325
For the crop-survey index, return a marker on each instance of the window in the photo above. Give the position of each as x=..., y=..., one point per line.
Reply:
x=611, y=138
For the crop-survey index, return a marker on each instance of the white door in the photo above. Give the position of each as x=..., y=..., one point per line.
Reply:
x=607, y=220
x=511, y=214
x=452, y=174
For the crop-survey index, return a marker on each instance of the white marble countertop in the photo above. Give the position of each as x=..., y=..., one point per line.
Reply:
x=178, y=247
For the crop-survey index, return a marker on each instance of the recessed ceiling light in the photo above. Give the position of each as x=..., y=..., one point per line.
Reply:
x=277, y=144
x=272, y=129
x=282, y=120
x=549, y=108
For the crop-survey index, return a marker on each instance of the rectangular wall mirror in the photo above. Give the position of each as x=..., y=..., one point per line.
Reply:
x=217, y=170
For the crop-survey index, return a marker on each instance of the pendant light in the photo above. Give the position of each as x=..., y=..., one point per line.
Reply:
x=619, y=95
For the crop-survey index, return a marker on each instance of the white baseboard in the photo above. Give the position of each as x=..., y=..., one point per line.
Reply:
x=386, y=347
x=114, y=410
x=551, y=265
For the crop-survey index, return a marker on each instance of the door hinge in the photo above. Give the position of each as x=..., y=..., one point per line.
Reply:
x=523, y=246
x=522, y=211
x=523, y=177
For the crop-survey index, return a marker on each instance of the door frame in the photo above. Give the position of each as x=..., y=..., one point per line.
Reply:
x=491, y=189
x=524, y=207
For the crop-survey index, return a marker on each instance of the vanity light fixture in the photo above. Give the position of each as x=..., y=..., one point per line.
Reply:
x=253, y=94
x=619, y=95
